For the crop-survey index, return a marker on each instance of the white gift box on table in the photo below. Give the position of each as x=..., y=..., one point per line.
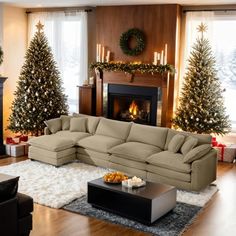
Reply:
x=17, y=150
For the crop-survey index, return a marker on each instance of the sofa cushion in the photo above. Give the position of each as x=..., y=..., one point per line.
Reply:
x=51, y=142
x=113, y=128
x=99, y=143
x=78, y=124
x=175, y=143
x=134, y=151
x=155, y=136
x=127, y=162
x=54, y=125
x=186, y=177
x=197, y=153
x=202, y=138
x=65, y=122
x=92, y=122
x=189, y=144
x=91, y=153
x=74, y=136
x=169, y=160
x=35, y=151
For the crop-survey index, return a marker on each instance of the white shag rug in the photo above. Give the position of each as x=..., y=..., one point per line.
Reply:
x=56, y=187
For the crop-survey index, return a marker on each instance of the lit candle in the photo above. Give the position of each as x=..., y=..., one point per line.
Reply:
x=155, y=58
x=165, y=61
x=99, y=52
x=108, y=56
x=162, y=57
x=158, y=56
x=103, y=53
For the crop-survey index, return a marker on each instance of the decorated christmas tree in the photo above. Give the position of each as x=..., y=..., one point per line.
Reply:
x=201, y=104
x=39, y=94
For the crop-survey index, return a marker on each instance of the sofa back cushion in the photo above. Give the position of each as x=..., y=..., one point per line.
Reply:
x=92, y=122
x=65, y=122
x=196, y=153
x=54, y=125
x=202, y=138
x=78, y=124
x=176, y=143
x=189, y=144
x=113, y=128
x=148, y=134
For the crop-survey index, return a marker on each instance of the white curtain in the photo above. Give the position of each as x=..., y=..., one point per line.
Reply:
x=222, y=38
x=67, y=36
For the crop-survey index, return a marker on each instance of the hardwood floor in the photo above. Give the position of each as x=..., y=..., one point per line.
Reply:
x=216, y=219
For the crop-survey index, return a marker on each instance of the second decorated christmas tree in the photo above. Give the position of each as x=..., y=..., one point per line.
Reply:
x=201, y=105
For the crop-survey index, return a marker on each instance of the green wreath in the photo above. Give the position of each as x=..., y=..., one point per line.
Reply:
x=1, y=55
x=125, y=40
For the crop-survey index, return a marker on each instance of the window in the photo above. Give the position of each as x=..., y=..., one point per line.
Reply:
x=67, y=36
x=222, y=37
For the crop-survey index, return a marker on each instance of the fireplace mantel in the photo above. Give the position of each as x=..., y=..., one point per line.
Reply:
x=138, y=79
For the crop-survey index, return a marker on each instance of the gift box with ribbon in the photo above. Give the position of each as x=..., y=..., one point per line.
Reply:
x=17, y=150
x=226, y=153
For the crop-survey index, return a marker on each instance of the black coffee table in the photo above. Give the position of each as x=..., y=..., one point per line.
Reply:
x=145, y=204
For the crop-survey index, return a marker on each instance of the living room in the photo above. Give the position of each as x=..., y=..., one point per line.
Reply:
x=102, y=90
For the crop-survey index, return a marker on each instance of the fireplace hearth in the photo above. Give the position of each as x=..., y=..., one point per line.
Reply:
x=132, y=103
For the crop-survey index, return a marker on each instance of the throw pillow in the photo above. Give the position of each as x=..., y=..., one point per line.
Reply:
x=54, y=125
x=78, y=124
x=197, y=153
x=176, y=142
x=188, y=145
x=65, y=122
x=8, y=187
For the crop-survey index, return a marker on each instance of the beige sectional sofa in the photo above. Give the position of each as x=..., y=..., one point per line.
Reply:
x=157, y=154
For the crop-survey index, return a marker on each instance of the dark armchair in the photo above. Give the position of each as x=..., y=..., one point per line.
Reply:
x=15, y=215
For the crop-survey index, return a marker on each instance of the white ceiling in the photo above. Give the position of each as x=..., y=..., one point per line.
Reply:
x=69, y=3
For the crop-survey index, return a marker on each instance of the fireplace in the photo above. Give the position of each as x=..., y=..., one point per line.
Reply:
x=132, y=103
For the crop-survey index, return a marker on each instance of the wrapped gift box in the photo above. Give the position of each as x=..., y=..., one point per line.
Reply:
x=227, y=153
x=17, y=150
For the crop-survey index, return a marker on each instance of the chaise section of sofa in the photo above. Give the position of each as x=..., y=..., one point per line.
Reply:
x=157, y=154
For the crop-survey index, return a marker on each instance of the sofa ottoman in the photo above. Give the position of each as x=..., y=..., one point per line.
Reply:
x=52, y=149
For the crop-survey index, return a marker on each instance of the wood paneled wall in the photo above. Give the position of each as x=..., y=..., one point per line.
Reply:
x=160, y=24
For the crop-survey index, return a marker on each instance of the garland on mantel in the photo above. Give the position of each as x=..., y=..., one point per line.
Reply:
x=133, y=67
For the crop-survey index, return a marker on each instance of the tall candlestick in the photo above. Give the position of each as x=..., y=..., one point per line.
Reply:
x=162, y=57
x=103, y=53
x=155, y=58
x=108, y=56
x=99, y=52
x=158, y=56
x=165, y=61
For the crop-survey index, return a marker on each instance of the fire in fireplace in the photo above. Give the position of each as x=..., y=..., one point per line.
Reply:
x=129, y=109
x=132, y=103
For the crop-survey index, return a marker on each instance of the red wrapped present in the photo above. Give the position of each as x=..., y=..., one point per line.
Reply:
x=214, y=142
x=9, y=140
x=23, y=138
